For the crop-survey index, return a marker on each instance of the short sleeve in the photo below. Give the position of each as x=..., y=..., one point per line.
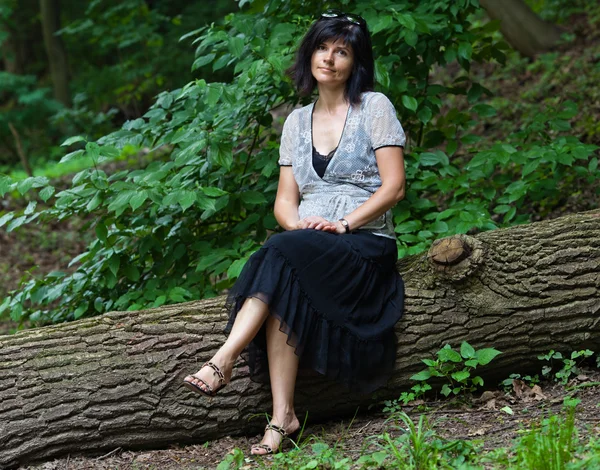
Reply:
x=386, y=130
x=286, y=147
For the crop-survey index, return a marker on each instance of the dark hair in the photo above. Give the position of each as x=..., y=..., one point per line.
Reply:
x=357, y=36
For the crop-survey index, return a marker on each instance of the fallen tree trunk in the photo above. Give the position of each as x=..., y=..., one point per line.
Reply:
x=115, y=380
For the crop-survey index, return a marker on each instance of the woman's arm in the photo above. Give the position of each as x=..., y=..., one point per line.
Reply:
x=287, y=199
x=390, y=161
x=286, y=206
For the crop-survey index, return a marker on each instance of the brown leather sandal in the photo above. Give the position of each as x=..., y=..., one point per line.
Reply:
x=279, y=430
x=203, y=388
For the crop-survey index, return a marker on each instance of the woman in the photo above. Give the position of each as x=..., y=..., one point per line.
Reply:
x=324, y=294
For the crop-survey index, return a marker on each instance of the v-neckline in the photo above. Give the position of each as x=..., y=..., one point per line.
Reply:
x=312, y=145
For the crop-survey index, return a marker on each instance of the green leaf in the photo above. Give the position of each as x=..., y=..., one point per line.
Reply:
x=114, y=262
x=72, y=140
x=446, y=390
x=236, y=267
x=71, y=156
x=449, y=355
x=16, y=223
x=461, y=375
x=433, y=158
x=46, y=193
x=465, y=50
x=466, y=350
x=186, y=199
x=138, y=199
x=101, y=231
x=5, y=184
x=6, y=218
x=425, y=114
x=485, y=356
x=132, y=272
x=423, y=375
x=202, y=61
x=236, y=46
x=439, y=227
x=94, y=202
x=409, y=102
x=253, y=198
x=81, y=310
x=213, y=191
x=408, y=227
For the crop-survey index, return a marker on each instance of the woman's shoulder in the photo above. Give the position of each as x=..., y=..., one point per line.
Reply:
x=298, y=113
x=374, y=98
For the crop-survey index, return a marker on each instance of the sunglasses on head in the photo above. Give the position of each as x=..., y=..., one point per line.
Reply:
x=354, y=19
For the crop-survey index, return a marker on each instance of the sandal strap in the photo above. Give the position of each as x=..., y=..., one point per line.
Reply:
x=217, y=372
x=277, y=429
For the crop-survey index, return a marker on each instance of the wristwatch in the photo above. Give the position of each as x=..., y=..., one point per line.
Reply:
x=345, y=224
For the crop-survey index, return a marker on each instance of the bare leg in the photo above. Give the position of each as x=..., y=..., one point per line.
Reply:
x=247, y=324
x=283, y=369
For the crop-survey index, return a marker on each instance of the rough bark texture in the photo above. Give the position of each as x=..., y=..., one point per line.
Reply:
x=522, y=28
x=55, y=49
x=114, y=380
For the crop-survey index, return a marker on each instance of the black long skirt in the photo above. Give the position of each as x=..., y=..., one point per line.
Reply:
x=337, y=297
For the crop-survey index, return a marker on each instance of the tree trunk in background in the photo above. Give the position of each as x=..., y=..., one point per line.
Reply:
x=55, y=49
x=523, y=29
x=115, y=380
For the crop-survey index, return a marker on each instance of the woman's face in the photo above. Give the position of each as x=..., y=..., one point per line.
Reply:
x=332, y=62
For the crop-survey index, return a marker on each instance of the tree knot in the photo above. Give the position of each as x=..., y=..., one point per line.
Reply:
x=455, y=257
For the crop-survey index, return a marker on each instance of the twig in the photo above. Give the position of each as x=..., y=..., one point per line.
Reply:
x=22, y=156
x=110, y=454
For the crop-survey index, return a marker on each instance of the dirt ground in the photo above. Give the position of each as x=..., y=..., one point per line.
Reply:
x=480, y=419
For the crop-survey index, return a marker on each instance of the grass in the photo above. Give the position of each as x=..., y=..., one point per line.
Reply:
x=552, y=443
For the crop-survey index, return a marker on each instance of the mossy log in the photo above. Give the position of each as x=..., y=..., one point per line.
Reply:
x=115, y=380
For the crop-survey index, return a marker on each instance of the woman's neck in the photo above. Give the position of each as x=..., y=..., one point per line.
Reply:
x=330, y=100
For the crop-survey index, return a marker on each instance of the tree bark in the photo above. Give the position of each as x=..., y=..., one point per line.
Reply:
x=55, y=49
x=115, y=380
x=524, y=30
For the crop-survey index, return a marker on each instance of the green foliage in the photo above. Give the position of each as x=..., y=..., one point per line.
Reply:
x=418, y=446
x=530, y=380
x=564, y=367
x=233, y=461
x=28, y=108
x=181, y=227
x=456, y=368
x=549, y=444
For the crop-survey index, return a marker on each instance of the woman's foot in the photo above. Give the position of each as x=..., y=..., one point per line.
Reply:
x=275, y=433
x=212, y=377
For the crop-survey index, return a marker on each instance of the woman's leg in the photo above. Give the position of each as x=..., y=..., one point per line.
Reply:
x=247, y=323
x=283, y=369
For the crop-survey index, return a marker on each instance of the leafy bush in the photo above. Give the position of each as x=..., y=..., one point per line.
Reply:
x=182, y=227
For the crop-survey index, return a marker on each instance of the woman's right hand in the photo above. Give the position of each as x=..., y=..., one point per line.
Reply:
x=317, y=223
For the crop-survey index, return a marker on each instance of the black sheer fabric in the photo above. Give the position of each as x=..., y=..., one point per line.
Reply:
x=338, y=298
x=320, y=161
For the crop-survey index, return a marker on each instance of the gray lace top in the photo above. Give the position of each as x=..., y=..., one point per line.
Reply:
x=352, y=175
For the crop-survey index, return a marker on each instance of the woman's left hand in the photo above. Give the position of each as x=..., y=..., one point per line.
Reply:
x=317, y=223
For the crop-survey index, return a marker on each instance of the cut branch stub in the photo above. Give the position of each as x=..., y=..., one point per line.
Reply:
x=455, y=257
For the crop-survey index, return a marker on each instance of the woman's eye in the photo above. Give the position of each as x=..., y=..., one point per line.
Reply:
x=343, y=53
x=321, y=47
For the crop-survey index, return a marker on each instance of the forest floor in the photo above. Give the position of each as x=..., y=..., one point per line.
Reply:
x=484, y=422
